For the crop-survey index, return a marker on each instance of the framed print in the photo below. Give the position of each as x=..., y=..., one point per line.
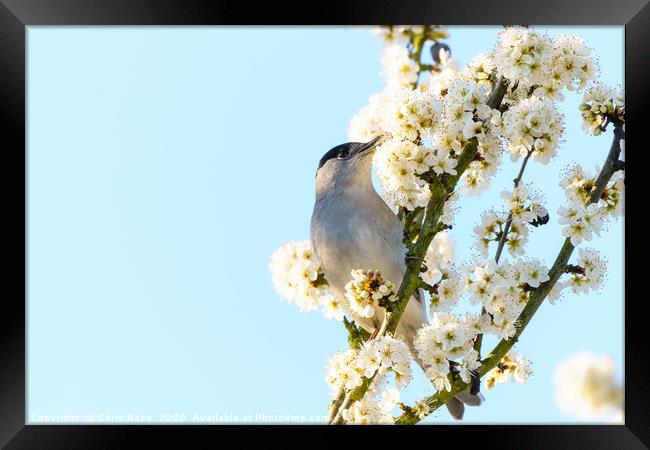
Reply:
x=348, y=218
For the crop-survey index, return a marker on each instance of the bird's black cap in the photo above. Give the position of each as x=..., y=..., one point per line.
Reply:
x=333, y=153
x=351, y=147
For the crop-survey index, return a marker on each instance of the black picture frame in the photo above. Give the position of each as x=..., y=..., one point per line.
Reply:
x=16, y=15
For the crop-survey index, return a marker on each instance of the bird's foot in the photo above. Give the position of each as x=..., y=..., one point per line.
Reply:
x=374, y=334
x=411, y=258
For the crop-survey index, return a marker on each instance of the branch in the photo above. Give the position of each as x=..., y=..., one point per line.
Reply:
x=506, y=227
x=441, y=189
x=537, y=295
x=417, y=41
x=356, y=335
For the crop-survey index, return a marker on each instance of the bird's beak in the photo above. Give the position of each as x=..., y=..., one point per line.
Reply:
x=372, y=144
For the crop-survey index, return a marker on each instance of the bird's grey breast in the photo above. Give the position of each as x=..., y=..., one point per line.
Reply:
x=357, y=231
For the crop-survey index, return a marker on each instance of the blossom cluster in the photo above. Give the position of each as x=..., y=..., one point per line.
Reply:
x=447, y=291
x=367, y=411
x=428, y=130
x=438, y=257
x=298, y=278
x=342, y=371
x=480, y=69
x=533, y=125
x=466, y=116
x=445, y=341
x=399, y=166
x=398, y=68
x=441, y=118
x=446, y=72
x=581, y=221
x=492, y=227
x=503, y=290
x=297, y=275
x=366, y=289
x=375, y=406
x=523, y=204
x=590, y=271
x=407, y=116
x=601, y=104
x=524, y=208
x=523, y=56
x=446, y=283
x=378, y=357
x=513, y=367
x=542, y=65
x=585, y=386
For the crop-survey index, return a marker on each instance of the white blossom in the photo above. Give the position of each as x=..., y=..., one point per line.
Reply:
x=332, y=307
x=342, y=371
x=438, y=257
x=519, y=203
x=600, y=105
x=398, y=68
x=421, y=409
x=446, y=72
x=448, y=290
x=512, y=368
x=480, y=68
x=534, y=60
x=523, y=55
x=366, y=411
x=592, y=267
x=532, y=272
x=449, y=209
x=383, y=355
x=409, y=114
x=580, y=221
x=556, y=292
x=488, y=231
x=365, y=290
x=445, y=340
x=585, y=386
x=297, y=275
x=399, y=164
x=533, y=124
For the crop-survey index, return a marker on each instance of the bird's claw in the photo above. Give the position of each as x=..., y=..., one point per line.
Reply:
x=409, y=258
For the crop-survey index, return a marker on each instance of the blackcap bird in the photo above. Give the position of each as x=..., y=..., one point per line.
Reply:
x=353, y=228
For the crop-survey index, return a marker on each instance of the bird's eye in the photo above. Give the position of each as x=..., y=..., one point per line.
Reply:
x=343, y=154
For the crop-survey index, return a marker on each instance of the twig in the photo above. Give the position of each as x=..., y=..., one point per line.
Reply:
x=506, y=228
x=478, y=341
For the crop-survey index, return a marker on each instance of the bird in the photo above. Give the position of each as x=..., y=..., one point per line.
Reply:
x=352, y=227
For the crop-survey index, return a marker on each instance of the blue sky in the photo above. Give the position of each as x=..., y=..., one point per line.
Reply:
x=165, y=165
